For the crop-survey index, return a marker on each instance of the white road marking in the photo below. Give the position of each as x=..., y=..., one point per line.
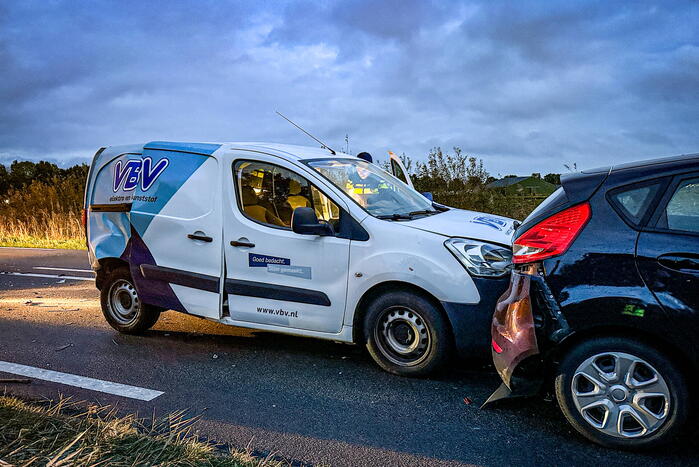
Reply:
x=47, y=276
x=63, y=269
x=117, y=389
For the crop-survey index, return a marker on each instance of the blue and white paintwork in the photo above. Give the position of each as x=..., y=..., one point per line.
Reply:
x=178, y=189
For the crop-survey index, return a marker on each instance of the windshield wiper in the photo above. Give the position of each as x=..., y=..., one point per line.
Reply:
x=408, y=216
x=428, y=212
x=395, y=217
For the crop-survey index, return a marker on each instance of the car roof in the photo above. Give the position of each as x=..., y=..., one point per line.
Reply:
x=658, y=163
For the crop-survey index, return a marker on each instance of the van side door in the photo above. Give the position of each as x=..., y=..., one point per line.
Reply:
x=275, y=277
x=177, y=228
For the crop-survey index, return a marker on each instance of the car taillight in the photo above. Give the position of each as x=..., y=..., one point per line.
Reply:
x=551, y=236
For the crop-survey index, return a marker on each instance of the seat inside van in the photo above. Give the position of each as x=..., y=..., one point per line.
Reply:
x=254, y=208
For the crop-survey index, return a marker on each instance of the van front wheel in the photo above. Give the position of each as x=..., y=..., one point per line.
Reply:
x=121, y=305
x=406, y=334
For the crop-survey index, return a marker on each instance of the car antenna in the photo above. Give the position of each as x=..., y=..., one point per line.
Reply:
x=322, y=144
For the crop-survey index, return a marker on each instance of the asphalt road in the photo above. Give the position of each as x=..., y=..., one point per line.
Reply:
x=303, y=399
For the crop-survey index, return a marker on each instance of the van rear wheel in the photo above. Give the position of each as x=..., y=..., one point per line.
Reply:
x=406, y=334
x=121, y=305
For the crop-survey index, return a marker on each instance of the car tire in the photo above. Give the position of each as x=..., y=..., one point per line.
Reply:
x=121, y=306
x=603, y=386
x=406, y=334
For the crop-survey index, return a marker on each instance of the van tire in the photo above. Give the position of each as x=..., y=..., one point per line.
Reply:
x=392, y=324
x=578, y=360
x=120, y=304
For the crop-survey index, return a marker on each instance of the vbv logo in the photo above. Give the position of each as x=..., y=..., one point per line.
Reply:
x=127, y=176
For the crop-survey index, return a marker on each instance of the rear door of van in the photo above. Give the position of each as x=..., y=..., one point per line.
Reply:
x=176, y=226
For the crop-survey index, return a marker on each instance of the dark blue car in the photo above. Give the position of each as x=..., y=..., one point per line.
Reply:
x=604, y=300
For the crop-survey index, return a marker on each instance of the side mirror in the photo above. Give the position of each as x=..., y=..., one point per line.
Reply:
x=305, y=222
x=427, y=195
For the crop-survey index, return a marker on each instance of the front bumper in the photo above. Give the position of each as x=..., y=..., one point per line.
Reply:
x=471, y=322
x=514, y=339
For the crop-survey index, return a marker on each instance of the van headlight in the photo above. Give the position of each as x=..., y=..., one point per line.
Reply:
x=480, y=258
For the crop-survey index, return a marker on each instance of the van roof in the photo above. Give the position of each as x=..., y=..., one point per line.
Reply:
x=288, y=151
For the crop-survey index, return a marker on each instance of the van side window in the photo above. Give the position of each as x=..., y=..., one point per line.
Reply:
x=682, y=211
x=269, y=194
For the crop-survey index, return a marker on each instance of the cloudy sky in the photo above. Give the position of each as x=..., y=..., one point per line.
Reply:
x=527, y=86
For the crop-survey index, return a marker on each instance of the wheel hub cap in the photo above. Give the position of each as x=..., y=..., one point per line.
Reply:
x=621, y=395
x=123, y=301
x=402, y=336
x=403, y=333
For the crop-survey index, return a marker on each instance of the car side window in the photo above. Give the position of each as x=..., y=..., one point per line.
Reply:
x=682, y=211
x=633, y=202
x=268, y=194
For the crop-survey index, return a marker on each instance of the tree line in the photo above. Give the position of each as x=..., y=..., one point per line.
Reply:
x=22, y=174
x=459, y=180
x=42, y=200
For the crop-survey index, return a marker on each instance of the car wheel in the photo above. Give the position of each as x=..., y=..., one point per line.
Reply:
x=406, y=334
x=121, y=306
x=621, y=393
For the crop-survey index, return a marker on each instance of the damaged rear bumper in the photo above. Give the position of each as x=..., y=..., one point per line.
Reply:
x=515, y=349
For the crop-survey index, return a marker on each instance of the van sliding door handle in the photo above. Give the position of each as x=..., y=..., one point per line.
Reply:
x=245, y=244
x=201, y=238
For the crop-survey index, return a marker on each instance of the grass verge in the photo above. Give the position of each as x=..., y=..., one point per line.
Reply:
x=30, y=241
x=68, y=433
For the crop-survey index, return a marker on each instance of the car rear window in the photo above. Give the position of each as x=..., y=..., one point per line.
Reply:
x=636, y=200
x=633, y=202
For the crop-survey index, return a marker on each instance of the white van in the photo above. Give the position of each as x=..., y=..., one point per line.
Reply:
x=293, y=239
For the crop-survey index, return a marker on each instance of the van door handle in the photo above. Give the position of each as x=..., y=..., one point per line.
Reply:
x=201, y=238
x=245, y=244
x=680, y=262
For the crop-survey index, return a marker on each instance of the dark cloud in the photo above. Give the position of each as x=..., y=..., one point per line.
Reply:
x=528, y=86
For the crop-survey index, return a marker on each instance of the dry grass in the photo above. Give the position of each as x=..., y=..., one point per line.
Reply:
x=46, y=230
x=65, y=433
x=43, y=215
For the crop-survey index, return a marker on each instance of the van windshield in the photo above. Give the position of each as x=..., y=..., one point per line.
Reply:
x=382, y=195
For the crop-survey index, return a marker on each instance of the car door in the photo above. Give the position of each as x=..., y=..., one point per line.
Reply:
x=177, y=227
x=398, y=169
x=276, y=277
x=668, y=252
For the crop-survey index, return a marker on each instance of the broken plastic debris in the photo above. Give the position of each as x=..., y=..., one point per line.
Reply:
x=64, y=347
